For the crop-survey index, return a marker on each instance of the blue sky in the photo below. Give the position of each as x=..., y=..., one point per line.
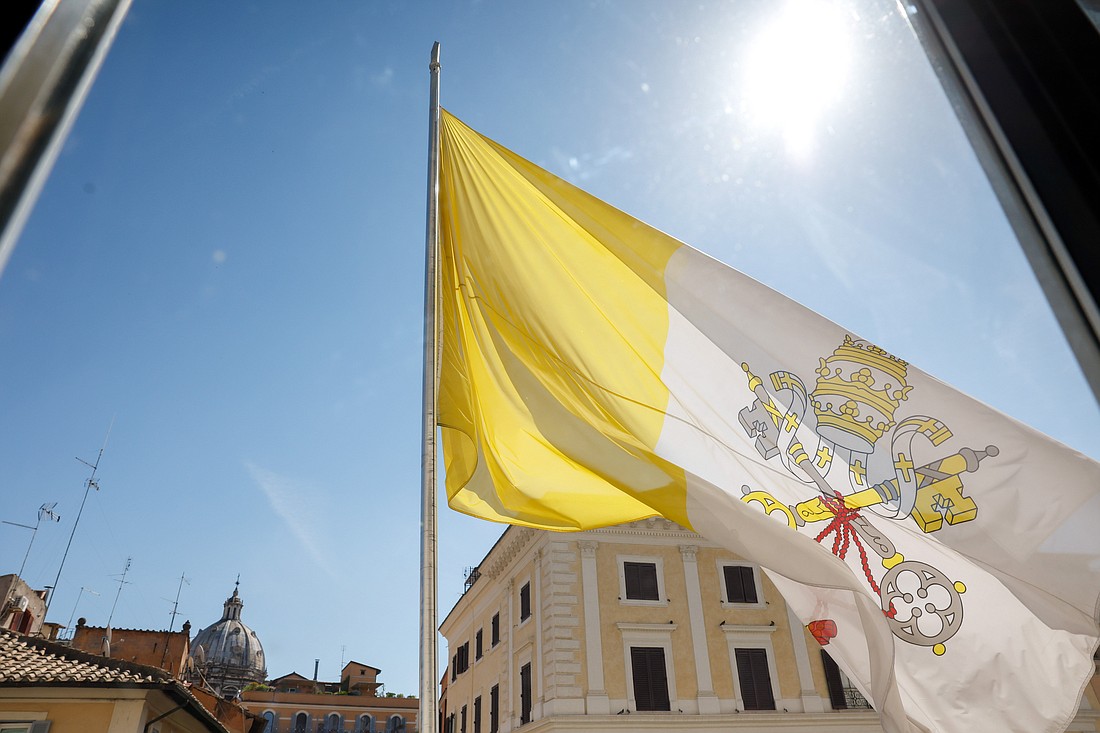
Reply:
x=225, y=269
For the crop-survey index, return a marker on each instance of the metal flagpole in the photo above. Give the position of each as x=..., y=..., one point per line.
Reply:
x=427, y=721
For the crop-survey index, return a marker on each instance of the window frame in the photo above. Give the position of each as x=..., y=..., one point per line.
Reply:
x=742, y=652
x=525, y=605
x=648, y=635
x=494, y=709
x=634, y=679
x=30, y=722
x=761, y=602
x=752, y=637
x=659, y=567
x=462, y=658
x=526, y=701
x=840, y=687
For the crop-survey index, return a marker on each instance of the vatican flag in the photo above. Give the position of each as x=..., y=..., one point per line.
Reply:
x=596, y=371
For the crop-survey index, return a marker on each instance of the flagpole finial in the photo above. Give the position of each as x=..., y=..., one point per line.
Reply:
x=434, y=65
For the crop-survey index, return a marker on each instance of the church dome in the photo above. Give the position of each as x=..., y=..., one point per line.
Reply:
x=228, y=653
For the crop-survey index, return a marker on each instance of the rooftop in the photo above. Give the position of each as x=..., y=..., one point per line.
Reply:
x=30, y=662
x=26, y=660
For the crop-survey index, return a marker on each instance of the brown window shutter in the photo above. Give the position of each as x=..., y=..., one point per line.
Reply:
x=756, y=683
x=834, y=683
x=650, y=678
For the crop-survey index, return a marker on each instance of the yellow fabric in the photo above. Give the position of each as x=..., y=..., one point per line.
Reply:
x=554, y=322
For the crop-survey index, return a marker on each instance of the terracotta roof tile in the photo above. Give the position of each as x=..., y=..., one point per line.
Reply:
x=28, y=660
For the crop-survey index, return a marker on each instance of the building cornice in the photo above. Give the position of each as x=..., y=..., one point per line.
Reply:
x=630, y=626
x=651, y=527
x=751, y=722
x=514, y=542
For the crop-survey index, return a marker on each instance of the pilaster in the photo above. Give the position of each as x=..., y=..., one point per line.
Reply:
x=706, y=698
x=596, y=700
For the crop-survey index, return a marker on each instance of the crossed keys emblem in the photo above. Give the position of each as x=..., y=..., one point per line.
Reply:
x=852, y=408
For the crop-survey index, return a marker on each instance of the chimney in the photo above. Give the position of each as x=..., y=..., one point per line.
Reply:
x=316, y=665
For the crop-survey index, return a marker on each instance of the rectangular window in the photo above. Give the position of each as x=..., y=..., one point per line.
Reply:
x=647, y=663
x=833, y=682
x=525, y=694
x=462, y=720
x=525, y=602
x=454, y=666
x=740, y=584
x=462, y=658
x=477, y=714
x=496, y=629
x=478, y=638
x=756, y=682
x=843, y=695
x=641, y=581
x=494, y=709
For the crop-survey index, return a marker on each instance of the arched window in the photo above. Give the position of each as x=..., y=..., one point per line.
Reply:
x=301, y=723
x=333, y=723
x=396, y=724
x=270, y=719
x=365, y=724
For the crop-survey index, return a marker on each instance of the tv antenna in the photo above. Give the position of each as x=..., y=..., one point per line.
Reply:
x=175, y=612
x=89, y=483
x=176, y=603
x=121, y=582
x=79, y=595
x=44, y=512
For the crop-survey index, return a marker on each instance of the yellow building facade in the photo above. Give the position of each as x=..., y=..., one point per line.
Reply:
x=645, y=626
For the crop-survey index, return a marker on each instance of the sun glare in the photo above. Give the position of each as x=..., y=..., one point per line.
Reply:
x=796, y=68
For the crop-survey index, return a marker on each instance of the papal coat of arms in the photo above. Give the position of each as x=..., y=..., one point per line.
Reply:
x=861, y=458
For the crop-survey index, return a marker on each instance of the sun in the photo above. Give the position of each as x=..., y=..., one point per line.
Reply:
x=796, y=68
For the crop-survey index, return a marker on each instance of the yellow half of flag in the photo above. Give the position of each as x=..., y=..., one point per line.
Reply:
x=551, y=397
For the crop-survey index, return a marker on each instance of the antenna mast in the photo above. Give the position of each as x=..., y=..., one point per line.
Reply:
x=176, y=603
x=121, y=583
x=44, y=512
x=172, y=624
x=69, y=626
x=88, y=484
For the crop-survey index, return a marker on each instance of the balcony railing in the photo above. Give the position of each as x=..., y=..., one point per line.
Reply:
x=854, y=700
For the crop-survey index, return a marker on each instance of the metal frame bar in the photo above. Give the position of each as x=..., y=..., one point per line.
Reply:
x=43, y=84
x=1024, y=76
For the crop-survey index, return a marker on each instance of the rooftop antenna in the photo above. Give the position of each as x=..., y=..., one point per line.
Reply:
x=175, y=612
x=121, y=582
x=44, y=512
x=176, y=603
x=89, y=483
x=79, y=595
